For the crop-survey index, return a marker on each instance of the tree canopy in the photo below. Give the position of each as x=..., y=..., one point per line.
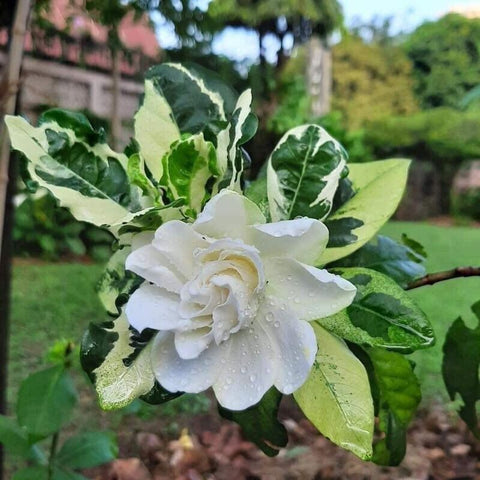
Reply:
x=371, y=81
x=446, y=59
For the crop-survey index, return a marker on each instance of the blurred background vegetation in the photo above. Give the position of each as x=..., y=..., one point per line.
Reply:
x=382, y=94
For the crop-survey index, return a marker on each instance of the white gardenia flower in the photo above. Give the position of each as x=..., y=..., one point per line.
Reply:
x=231, y=297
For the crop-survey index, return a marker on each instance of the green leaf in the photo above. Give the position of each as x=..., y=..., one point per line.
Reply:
x=41, y=473
x=75, y=121
x=13, y=437
x=155, y=128
x=188, y=168
x=91, y=182
x=256, y=191
x=303, y=173
x=399, y=396
x=382, y=314
x=260, y=424
x=397, y=261
x=241, y=129
x=336, y=397
x=88, y=450
x=32, y=473
x=460, y=368
x=45, y=401
x=415, y=246
x=199, y=99
x=138, y=177
x=105, y=353
x=379, y=187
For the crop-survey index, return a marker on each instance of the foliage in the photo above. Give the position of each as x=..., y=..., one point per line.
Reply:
x=441, y=134
x=45, y=403
x=43, y=229
x=371, y=81
x=445, y=57
x=461, y=363
x=294, y=109
x=467, y=203
x=397, y=260
x=190, y=134
x=311, y=17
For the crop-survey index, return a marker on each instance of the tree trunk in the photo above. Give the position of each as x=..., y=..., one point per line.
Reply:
x=319, y=76
x=9, y=102
x=116, y=120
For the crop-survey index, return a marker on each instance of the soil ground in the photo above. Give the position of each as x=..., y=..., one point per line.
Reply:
x=439, y=448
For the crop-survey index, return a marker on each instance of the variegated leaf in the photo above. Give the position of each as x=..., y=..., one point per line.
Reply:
x=303, y=173
x=91, y=181
x=121, y=371
x=199, y=100
x=241, y=128
x=188, y=168
x=115, y=280
x=378, y=188
x=155, y=128
x=138, y=176
x=336, y=397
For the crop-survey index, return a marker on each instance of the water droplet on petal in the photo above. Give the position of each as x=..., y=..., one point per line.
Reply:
x=289, y=277
x=269, y=316
x=276, y=324
x=253, y=378
x=243, y=370
x=229, y=380
x=296, y=300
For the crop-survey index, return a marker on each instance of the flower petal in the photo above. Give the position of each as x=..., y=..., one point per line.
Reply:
x=179, y=375
x=309, y=292
x=177, y=241
x=248, y=371
x=227, y=215
x=303, y=239
x=190, y=344
x=294, y=345
x=153, y=307
x=151, y=265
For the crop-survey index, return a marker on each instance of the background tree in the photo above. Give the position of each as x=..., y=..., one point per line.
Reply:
x=446, y=59
x=286, y=18
x=371, y=81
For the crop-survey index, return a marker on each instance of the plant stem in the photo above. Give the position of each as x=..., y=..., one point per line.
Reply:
x=51, y=458
x=433, y=278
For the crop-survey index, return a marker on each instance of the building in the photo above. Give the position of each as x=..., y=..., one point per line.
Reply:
x=68, y=63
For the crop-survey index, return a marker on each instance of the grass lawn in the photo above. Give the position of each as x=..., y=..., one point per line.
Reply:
x=54, y=301
x=49, y=302
x=447, y=247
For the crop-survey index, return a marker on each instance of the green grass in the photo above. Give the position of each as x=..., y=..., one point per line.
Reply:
x=48, y=302
x=56, y=301
x=447, y=247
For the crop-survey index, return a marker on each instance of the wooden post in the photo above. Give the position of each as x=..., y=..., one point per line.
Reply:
x=8, y=102
x=319, y=76
x=9, y=96
x=116, y=78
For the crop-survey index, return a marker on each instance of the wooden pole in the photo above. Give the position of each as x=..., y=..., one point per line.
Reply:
x=8, y=102
x=9, y=96
x=116, y=78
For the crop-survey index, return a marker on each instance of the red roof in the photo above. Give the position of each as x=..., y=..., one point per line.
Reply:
x=70, y=16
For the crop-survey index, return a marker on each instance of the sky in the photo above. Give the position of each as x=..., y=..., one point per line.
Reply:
x=241, y=45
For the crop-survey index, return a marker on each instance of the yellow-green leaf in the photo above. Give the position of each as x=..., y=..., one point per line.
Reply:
x=336, y=397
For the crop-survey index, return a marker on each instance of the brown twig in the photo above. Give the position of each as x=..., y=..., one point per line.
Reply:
x=433, y=278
